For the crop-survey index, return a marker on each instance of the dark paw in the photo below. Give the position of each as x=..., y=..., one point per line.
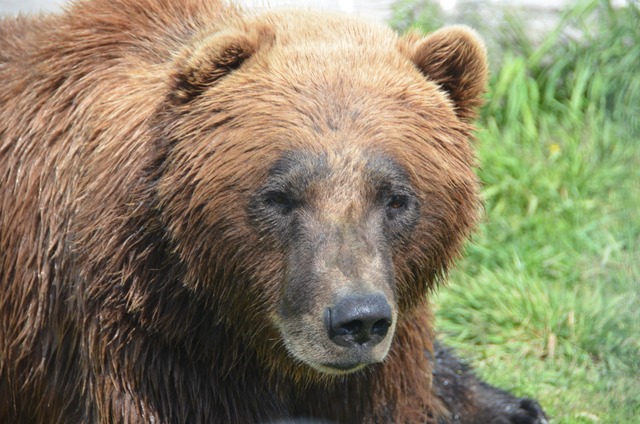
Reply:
x=528, y=412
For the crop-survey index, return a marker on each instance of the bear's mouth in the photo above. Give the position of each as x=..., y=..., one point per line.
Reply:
x=354, y=331
x=340, y=368
x=355, y=360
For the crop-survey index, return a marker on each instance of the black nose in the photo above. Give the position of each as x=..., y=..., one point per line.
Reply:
x=359, y=319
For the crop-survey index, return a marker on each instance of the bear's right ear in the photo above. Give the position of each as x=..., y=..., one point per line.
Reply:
x=208, y=59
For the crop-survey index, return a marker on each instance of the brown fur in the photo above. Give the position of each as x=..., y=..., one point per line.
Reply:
x=132, y=136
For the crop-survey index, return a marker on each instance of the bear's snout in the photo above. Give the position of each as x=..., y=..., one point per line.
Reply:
x=359, y=320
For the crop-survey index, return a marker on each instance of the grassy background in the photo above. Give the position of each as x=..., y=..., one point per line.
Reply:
x=546, y=301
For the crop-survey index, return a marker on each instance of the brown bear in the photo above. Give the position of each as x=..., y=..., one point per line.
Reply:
x=208, y=216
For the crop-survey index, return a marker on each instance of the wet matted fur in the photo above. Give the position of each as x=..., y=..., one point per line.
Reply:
x=209, y=216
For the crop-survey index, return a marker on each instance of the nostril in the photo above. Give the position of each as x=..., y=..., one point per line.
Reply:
x=352, y=327
x=380, y=327
x=359, y=319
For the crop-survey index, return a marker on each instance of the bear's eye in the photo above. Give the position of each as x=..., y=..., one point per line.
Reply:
x=397, y=202
x=280, y=200
x=396, y=205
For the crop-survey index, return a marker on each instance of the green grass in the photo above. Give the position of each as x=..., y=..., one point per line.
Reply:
x=546, y=302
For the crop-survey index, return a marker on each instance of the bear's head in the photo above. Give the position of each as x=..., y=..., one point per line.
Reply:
x=320, y=179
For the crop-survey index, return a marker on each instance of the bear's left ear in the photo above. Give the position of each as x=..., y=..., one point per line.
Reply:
x=210, y=58
x=456, y=59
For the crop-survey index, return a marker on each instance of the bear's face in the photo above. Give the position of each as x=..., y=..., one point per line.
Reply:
x=320, y=178
x=339, y=215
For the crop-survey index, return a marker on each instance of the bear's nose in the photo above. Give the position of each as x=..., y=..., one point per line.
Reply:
x=359, y=320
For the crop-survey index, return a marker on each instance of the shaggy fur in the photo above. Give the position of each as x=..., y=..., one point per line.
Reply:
x=143, y=272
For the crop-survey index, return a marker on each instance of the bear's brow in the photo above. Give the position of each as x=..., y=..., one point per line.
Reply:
x=302, y=168
x=297, y=163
